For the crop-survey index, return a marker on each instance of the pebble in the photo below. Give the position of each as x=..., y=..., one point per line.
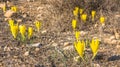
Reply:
x=37, y=49
x=76, y=58
x=112, y=37
x=96, y=65
x=26, y=53
x=44, y=31
x=36, y=45
x=54, y=44
x=67, y=44
x=68, y=47
x=9, y=13
x=83, y=33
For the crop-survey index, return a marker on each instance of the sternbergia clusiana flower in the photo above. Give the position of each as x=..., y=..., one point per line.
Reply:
x=93, y=13
x=84, y=17
x=80, y=47
x=11, y=22
x=14, y=8
x=81, y=11
x=4, y=8
x=74, y=22
x=102, y=20
x=94, y=46
x=38, y=25
x=77, y=35
x=14, y=30
x=22, y=31
x=30, y=32
x=75, y=11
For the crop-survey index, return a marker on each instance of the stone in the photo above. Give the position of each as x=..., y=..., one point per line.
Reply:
x=67, y=44
x=83, y=33
x=112, y=37
x=37, y=49
x=9, y=13
x=68, y=47
x=36, y=45
x=44, y=31
x=26, y=53
x=76, y=58
x=54, y=44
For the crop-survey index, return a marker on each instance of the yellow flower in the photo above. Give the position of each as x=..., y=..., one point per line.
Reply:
x=75, y=12
x=14, y=30
x=4, y=8
x=11, y=22
x=80, y=47
x=30, y=32
x=22, y=30
x=84, y=17
x=102, y=19
x=77, y=35
x=14, y=8
x=81, y=11
x=94, y=46
x=93, y=13
x=38, y=25
x=74, y=22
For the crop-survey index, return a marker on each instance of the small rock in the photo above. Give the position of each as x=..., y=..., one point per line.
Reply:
x=6, y=19
x=112, y=37
x=19, y=20
x=9, y=13
x=117, y=36
x=83, y=33
x=76, y=58
x=114, y=42
x=68, y=47
x=44, y=31
x=15, y=57
x=67, y=44
x=118, y=46
x=34, y=45
x=6, y=48
x=54, y=44
x=26, y=53
x=37, y=49
x=24, y=15
x=96, y=65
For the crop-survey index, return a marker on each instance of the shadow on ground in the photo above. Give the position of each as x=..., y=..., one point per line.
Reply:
x=113, y=58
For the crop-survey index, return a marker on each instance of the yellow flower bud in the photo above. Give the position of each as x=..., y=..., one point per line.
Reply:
x=77, y=35
x=14, y=8
x=74, y=22
x=102, y=19
x=94, y=46
x=75, y=12
x=11, y=22
x=38, y=25
x=4, y=8
x=30, y=32
x=81, y=11
x=80, y=47
x=14, y=30
x=84, y=17
x=93, y=13
x=22, y=30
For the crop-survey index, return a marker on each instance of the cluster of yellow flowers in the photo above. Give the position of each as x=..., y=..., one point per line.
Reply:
x=80, y=47
x=81, y=44
x=15, y=28
x=83, y=16
x=12, y=8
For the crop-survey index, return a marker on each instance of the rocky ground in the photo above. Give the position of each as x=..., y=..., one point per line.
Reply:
x=53, y=45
